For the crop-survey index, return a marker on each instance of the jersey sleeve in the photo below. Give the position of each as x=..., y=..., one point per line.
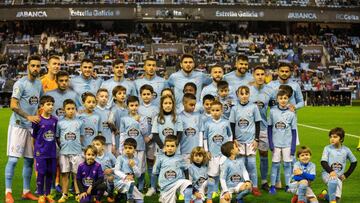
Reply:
x=270, y=120
x=179, y=124
x=293, y=122
x=257, y=116
x=312, y=169
x=17, y=90
x=325, y=154
x=350, y=156
x=154, y=127
x=157, y=165
x=299, y=97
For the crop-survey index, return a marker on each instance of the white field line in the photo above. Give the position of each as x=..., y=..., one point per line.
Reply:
x=326, y=130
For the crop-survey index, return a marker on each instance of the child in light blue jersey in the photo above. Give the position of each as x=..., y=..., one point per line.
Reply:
x=192, y=126
x=150, y=111
x=304, y=173
x=107, y=161
x=198, y=175
x=106, y=116
x=135, y=126
x=225, y=98
x=245, y=125
x=189, y=88
x=68, y=133
x=216, y=132
x=333, y=162
x=126, y=170
x=234, y=178
x=119, y=110
x=282, y=138
x=172, y=172
x=91, y=120
x=207, y=100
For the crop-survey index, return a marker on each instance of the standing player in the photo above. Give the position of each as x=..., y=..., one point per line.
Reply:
x=150, y=78
x=118, y=79
x=48, y=81
x=217, y=74
x=187, y=74
x=240, y=76
x=86, y=82
x=24, y=102
x=260, y=94
x=62, y=93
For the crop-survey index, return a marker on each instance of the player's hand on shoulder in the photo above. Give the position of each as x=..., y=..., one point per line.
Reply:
x=131, y=163
x=33, y=119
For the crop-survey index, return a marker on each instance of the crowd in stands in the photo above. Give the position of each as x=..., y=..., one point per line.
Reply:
x=341, y=53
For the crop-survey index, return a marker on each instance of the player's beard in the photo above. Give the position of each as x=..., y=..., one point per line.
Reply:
x=34, y=74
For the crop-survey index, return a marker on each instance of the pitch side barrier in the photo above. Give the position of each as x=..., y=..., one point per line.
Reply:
x=181, y=13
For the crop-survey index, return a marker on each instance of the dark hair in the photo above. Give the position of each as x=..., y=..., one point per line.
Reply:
x=171, y=138
x=259, y=68
x=161, y=117
x=339, y=132
x=216, y=66
x=34, y=57
x=189, y=96
x=282, y=64
x=102, y=90
x=86, y=60
x=303, y=149
x=61, y=74
x=243, y=87
x=54, y=57
x=149, y=59
x=92, y=148
x=117, y=89
x=282, y=93
x=227, y=147
x=131, y=99
x=286, y=88
x=85, y=95
x=100, y=138
x=216, y=102
x=68, y=101
x=146, y=87
x=46, y=98
x=130, y=142
x=199, y=150
x=117, y=61
x=186, y=56
x=242, y=57
x=190, y=84
x=222, y=84
x=208, y=97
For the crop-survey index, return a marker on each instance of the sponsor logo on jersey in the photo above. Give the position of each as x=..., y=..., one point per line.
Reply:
x=89, y=131
x=49, y=136
x=105, y=125
x=88, y=181
x=34, y=100
x=170, y=175
x=280, y=125
x=168, y=131
x=133, y=132
x=70, y=136
x=243, y=123
x=218, y=139
x=235, y=178
x=190, y=131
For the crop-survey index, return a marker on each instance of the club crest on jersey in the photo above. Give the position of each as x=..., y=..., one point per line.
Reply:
x=70, y=136
x=235, y=178
x=60, y=112
x=133, y=132
x=34, y=100
x=88, y=181
x=49, y=136
x=337, y=167
x=190, y=131
x=89, y=131
x=260, y=104
x=243, y=123
x=280, y=125
x=218, y=139
x=201, y=180
x=168, y=131
x=170, y=175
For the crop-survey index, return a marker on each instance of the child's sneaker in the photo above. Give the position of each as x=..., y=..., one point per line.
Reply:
x=272, y=190
x=63, y=198
x=322, y=195
x=110, y=199
x=50, y=199
x=265, y=186
x=300, y=202
x=286, y=188
x=151, y=191
x=294, y=199
x=256, y=192
x=77, y=198
x=278, y=185
x=29, y=196
x=42, y=199
x=58, y=188
x=215, y=195
x=9, y=198
x=181, y=197
x=209, y=201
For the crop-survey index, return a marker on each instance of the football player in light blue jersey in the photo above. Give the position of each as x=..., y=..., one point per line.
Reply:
x=187, y=74
x=171, y=170
x=150, y=78
x=216, y=132
x=68, y=133
x=282, y=138
x=106, y=116
x=24, y=104
x=227, y=99
x=126, y=170
x=217, y=74
x=333, y=162
x=192, y=126
x=91, y=120
x=240, y=76
x=150, y=111
x=260, y=94
x=234, y=178
x=62, y=93
x=245, y=125
x=304, y=173
x=136, y=127
x=118, y=79
x=86, y=82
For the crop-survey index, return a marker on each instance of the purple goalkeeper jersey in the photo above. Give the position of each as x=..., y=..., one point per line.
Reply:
x=89, y=174
x=44, y=135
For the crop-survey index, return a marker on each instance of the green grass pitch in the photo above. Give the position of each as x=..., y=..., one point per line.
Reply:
x=321, y=117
